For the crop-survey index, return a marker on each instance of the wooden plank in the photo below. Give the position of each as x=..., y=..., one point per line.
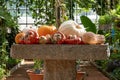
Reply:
x=59, y=52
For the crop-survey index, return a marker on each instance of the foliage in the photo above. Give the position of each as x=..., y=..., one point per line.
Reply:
x=102, y=63
x=118, y=10
x=117, y=22
x=101, y=7
x=8, y=30
x=70, y=5
x=113, y=38
x=105, y=19
x=2, y=72
x=116, y=73
x=11, y=62
x=85, y=4
x=43, y=11
x=38, y=66
x=88, y=24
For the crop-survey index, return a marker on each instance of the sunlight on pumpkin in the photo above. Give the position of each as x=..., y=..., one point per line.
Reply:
x=43, y=30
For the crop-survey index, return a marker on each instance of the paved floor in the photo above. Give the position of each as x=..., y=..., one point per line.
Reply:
x=92, y=73
x=20, y=73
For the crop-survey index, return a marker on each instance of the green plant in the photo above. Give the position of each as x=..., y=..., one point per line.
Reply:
x=2, y=73
x=38, y=66
x=8, y=30
x=88, y=24
x=113, y=38
x=105, y=19
x=117, y=23
x=116, y=73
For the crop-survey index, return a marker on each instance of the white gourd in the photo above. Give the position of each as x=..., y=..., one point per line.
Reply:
x=70, y=27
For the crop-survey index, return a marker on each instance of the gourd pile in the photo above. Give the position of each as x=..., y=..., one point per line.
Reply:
x=69, y=32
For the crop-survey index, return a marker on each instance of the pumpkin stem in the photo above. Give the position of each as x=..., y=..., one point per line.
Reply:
x=78, y=27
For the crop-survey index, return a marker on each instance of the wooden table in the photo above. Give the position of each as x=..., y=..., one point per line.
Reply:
x=59, y=60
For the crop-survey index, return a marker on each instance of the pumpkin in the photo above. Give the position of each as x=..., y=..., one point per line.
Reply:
x=43, y=30
x=70, y=27
x=19, y=38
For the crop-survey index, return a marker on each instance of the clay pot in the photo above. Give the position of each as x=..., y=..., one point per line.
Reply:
x=34, y=76
x=80, y=75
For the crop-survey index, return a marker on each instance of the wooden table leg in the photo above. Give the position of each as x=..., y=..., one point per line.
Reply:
x=60, y=70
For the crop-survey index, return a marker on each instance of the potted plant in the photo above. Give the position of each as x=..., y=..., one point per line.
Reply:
x=37, y=72
x=117, y=23
x=80, y=74
x=105, y=22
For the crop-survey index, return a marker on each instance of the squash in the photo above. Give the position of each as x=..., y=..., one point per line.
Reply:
x=45, y=39
x=89, y=38
x=43, y=30
x=58, y=37
x=70, y=27
x=31, y=37
x=92, y=38
x=100, y=39
x=42, y=39
x=19, y=38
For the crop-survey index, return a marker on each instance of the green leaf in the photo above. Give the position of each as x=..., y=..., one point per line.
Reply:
x=88, y=24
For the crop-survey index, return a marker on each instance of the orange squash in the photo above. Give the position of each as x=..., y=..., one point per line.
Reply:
x=19, y=37
x=43, y=30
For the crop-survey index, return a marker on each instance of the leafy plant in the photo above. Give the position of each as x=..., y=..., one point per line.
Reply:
x=105, y=19
x=2, y=73
x=88, y=24
x=8, y=30
x=112, y=37
x=116, y=73
x=117, y=23
x=38, y=66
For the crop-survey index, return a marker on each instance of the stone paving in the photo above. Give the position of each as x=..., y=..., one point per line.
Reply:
x=92, y=73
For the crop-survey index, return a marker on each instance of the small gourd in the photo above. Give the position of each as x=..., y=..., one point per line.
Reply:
x=92, y=38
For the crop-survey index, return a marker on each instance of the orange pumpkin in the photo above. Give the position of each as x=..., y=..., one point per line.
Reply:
x=43, y=30
x=19, y=37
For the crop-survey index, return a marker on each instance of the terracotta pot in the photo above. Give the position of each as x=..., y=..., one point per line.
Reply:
x=80, y=75
x=34, y=76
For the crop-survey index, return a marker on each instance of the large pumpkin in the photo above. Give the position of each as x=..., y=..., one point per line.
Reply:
x=19, y=38
x=70, y=27
x=43, y=30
